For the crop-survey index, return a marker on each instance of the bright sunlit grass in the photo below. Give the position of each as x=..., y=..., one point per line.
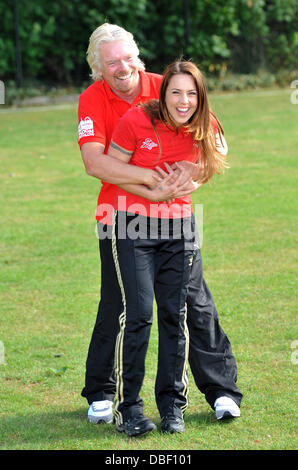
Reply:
x=50, y=281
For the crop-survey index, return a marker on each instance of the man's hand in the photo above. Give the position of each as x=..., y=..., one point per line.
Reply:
x=168, y=189
x=187, y=188
x=180, y=181
x=174, y=173
x=191, y=169
x=152, y=178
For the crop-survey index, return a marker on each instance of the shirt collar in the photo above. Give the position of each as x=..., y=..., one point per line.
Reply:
x=145, y=84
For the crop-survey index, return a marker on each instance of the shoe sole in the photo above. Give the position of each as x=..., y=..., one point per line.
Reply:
x=227, y=415
x=96, y=420
x=172, y=431
x=119, y=429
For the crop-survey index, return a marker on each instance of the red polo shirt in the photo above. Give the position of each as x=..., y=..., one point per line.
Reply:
x=135, y=133
x=99, y=112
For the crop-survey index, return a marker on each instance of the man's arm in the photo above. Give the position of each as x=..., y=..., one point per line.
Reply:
x=113, y=170
x=166, y=190
x=167, y=187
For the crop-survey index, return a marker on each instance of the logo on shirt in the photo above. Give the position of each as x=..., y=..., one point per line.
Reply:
x=85, y=127
x=148, y=144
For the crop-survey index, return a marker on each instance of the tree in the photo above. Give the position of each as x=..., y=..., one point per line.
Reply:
x=237, y=35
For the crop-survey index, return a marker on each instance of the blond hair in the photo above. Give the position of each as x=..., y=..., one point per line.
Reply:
x=104, y=34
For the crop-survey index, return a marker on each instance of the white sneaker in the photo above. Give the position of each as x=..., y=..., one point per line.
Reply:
x=101, y=411
x=225, y=408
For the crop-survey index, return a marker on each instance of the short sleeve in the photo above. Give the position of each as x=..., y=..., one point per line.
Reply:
x=220, y=141
x=91, y=121
x=214, y=125
x=125, y=131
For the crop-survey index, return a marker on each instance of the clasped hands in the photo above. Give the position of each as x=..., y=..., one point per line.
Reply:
x=178, y=181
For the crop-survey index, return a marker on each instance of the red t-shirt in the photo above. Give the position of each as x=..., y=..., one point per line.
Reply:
x=100, y=110
x=135, y=133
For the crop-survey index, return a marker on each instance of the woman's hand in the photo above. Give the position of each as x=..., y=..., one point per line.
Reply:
x=170, y=187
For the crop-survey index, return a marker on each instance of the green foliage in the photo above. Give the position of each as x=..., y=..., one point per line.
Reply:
x=241, y=36
x=242, y=82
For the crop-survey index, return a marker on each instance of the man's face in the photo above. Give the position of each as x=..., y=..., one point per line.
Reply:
x=119, y=67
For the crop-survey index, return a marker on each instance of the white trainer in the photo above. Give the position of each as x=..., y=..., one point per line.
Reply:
x=225, y=408
x=101, y=411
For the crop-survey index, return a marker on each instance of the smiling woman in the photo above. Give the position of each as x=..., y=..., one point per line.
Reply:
x=157, y=257
x=184, y=102
x=181, y=98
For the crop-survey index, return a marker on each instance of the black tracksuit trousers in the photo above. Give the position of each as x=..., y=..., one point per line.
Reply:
x=147, y=266
x=210, y=354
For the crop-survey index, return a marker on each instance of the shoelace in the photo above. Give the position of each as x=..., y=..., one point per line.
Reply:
x=100, y=405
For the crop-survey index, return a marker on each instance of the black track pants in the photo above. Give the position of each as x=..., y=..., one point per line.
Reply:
x=146, y=267
x=210, y=354
x=99, y=377
x=211, y=359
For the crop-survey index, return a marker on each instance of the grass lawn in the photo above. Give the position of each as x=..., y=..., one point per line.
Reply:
x=50, y=281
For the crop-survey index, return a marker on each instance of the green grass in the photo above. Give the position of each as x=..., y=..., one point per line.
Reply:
x=50, y=281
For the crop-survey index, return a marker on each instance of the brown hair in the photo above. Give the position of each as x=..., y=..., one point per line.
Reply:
x=201, y=122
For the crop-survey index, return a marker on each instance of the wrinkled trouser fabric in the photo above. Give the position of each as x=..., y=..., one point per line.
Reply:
x=146, y=267
x=210, y=354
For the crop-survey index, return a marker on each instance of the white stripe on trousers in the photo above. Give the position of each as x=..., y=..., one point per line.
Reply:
x=185, y=365
x=119, y=397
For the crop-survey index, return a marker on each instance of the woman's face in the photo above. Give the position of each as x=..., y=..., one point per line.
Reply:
x=181, y=98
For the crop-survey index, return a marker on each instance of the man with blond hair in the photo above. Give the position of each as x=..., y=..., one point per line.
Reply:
x=121, y=82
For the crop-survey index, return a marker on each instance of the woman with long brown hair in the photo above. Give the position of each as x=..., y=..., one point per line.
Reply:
x=202, y=125
x=154, y=242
